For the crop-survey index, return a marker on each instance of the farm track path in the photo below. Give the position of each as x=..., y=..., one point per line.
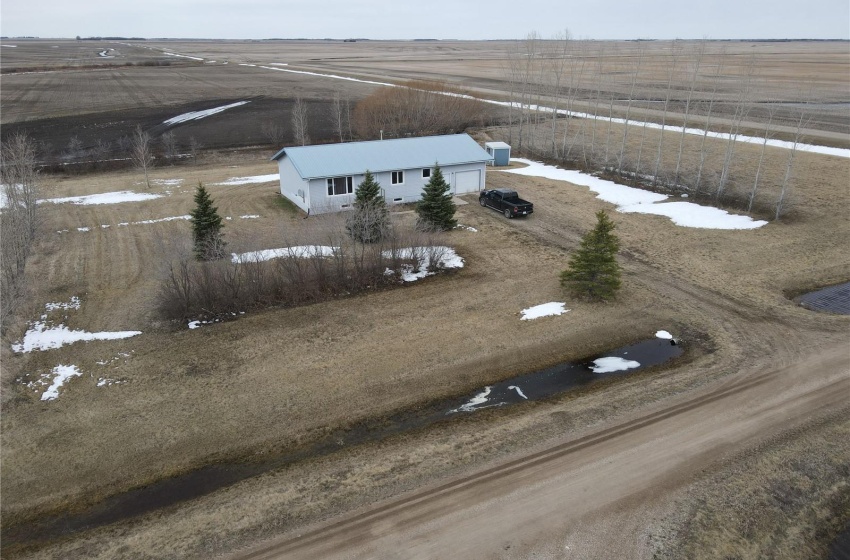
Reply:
x=652, y=451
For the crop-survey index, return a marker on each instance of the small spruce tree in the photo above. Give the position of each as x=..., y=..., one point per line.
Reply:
x=436, y=209
x=206, y=227
x=593, y=271
x=369, y=222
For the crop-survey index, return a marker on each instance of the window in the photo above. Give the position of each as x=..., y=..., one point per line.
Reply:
x=398, y=178
x=426, y=173
x=340, y=185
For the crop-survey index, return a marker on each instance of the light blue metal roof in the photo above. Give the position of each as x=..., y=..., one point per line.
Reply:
x=353, y=158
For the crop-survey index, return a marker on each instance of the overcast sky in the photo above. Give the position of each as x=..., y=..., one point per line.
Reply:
x=437, y=19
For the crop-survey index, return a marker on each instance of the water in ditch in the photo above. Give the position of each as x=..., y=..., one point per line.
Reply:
x=833, y=299
x=533, y=386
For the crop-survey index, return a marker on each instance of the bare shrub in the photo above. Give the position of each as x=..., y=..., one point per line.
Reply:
x=273, y=132
x=302, y=274
x=421, y=108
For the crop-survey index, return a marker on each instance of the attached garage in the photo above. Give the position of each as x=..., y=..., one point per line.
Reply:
x=467, y=181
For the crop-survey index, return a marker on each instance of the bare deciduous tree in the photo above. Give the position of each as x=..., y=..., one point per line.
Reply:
x=299, y=122
x=342, y=116
x=141, y=153
x=771, y=113
x=194, y=148
x=782, y=200
x=169, y=144
x=19, y=219
x=273, y=132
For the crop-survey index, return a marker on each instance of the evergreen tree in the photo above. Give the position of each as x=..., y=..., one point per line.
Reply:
x=369, y=222
x=206, y=227
x=593, y=269
x=436, y=209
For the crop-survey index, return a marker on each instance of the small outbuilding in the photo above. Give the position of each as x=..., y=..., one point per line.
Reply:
x=323, y=178
x=500, y=152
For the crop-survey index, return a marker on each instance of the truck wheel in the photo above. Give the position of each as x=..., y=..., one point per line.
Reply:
x=508, y=213
x=481, y=202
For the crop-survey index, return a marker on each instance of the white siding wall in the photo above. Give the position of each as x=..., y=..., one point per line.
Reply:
x=409, y=191
x=292, y=186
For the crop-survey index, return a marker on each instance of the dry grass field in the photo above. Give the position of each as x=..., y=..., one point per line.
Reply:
x=275, y=381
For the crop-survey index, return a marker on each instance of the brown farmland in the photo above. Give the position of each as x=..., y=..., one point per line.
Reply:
x=760, y=379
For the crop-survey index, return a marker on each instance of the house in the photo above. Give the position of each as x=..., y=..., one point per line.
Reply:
x=323, y=178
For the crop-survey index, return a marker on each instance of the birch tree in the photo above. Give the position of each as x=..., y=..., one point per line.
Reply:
x=674, y=55
x=782, y=200
x=702, y=150
x=141, y=153
x=621, y=158
x=700, y=52
x=299, y=122
x=754, y=190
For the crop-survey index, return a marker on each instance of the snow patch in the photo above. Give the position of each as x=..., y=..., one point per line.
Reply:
x=467, y=228
x=41, y=337
x=74, y=303
x=664, y=334
x=249, y=216
x=608, y=365
x=633, y=200
x=61, y=375
x=301, y=251
x=83, y=229
x=476, y=402
x=428, y=258
x=544, y=310
x=103, y=198
x=182, y=56
x=518, y=390
x=155, y=221
x=106, y=382
x=250, y=180
x=167, y=182
x=195, y=115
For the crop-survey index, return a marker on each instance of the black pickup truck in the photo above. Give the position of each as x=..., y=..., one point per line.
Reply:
x=507, y=202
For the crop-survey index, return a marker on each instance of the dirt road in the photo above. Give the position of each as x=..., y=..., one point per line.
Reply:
x=535, y=499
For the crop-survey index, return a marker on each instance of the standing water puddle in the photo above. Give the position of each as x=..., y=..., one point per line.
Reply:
x=835, y=299
x=533, y=386
x=551, y=381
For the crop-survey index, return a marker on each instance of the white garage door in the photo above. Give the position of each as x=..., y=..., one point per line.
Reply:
x=467, y=181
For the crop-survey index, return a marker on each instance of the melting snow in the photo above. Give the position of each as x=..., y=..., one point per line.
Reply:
x=74, y=303
x=103, y=198
x=446, y=257
x=518, y=390
x=664, y=334
x=83, y=229
x=468, y=228
x=476, y=402
x=544, y=310
x=167, y=182
x=195, y=115
x=302, y=251
x=249, y=216
x=168, y=219
x=182, y=56
x=632, y=200
x=607, y=365
x=249, y=180
x=62, y=374
x=41, y=337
